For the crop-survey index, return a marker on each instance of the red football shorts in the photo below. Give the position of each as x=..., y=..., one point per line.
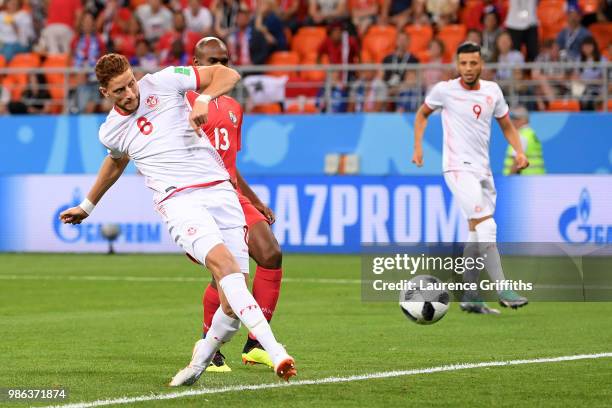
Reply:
x=251, y=214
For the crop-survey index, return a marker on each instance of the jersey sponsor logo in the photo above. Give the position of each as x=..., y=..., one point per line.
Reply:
x=152, y=101
x=574, y=225
x=182, y=70
x=233, y=118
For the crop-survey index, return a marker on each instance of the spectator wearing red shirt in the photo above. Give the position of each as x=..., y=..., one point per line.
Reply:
x=363, y=14
x=62, y=18
x=339, y=46
x=178, y=33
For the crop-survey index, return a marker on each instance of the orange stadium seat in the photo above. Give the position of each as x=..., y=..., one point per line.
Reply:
x=602, y=32
x=2, y=63
x=308, y=39
x=451, y=35
x=55, y=80
x=588, y=6
x=307, y=108
x=553, y=18
x=135, y=3
x=284, y=58
x=267, y=108
x=420, y=37
x=609, y=105
x=311, y=59
x=564, y=105
x=17, y=82
x=379, y=42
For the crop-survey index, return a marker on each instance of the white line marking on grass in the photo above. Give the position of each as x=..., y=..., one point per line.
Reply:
x=330, y=380
x=203, y=279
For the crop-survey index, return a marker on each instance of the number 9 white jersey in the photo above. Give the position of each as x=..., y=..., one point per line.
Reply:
x=466, y=121
x=159, y=138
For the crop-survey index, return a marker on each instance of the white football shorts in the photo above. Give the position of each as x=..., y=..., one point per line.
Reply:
x=475, y=193
x=208, y=216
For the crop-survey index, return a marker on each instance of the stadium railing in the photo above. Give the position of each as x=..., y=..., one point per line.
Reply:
x=367, y=87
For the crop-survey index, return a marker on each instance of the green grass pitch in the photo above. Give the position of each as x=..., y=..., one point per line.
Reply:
x=81, y=322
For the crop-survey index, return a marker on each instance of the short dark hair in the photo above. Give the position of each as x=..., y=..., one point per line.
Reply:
x=468, y=47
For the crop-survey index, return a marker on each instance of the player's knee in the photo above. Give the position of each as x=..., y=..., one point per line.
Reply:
x=272, y=257
x=221, y=262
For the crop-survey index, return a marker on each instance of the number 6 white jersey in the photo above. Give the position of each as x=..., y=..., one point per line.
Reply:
x=159, y=138
x=466, y=121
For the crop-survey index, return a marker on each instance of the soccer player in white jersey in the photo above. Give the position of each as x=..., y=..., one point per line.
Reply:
x=468, y=106
x=151, y=125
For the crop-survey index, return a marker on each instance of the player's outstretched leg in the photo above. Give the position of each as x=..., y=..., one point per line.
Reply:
x=210, y=303
x=222, y=329
x=266, y=252
x=471, y=301
x=487, y=238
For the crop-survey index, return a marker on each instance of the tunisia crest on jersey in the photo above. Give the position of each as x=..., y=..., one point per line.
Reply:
x=152, y=101
x=233, y=118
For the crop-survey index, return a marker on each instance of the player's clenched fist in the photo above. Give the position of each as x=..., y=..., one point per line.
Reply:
x=417, y=156
x=74, y=215
x=266, y=211
x=199, y=114
x=521, y=161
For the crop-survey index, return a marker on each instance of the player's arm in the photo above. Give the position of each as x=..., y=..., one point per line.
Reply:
x=512, y=136
x=250, y=194
x=420, y=123
x=109, y=173
x=214, y=80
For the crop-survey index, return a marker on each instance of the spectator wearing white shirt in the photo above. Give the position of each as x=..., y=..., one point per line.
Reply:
x=154, y=18
x=16, y=30
x=504, y=54
x=199, y=19
x=522, y=25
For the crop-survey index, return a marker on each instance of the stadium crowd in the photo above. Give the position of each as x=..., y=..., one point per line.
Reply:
x=156, y=33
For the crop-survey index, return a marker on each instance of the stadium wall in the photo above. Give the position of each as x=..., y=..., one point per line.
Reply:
x=327, y=214
x=573, y=143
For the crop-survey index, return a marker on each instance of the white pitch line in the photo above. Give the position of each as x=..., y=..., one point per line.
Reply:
x=329, y=380
x=161, y=279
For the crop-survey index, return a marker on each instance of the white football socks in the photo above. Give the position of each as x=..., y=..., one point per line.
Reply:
x=487, y=238
x=247, y=310
x=471, y=251
x=222, y=329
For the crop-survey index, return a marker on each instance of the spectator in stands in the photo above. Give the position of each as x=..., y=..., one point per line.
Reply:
x=5, y=99
x=396, y=12
x=522, y=25
x=325, y=12
x=125, y=42
x=155, y=19
x=165, y=45
x=433, y=75
x=36, y=96
x=443, y=12
x=177, y=55
x=86, y=49
x=363, y=14
x=267, y=34
x=474, y=36
x=340, y=47
x=16, y=30
x=490, y=32
x=63, y=17
x=226, y=13
x=113, y=20
x=198, y=18
x=418, y=13
x=473, y=16
x=239, y=38
x=591, y=75
x=551, y=80
x=144, y=58
x=289, y=12
x=401, y=80
x=504, y=54
x=338, y=96
x=571, y=37
x=368, y=93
